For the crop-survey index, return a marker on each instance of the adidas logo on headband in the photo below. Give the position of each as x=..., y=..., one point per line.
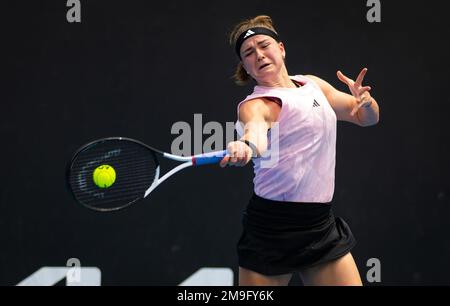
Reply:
x=249, y=32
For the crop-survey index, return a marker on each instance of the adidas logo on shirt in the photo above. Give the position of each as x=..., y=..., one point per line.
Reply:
x=315, y=104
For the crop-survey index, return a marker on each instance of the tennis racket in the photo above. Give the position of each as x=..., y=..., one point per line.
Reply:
x=112, y=173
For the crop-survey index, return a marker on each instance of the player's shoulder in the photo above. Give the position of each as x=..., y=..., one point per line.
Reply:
x=256, y=107
x=313, y=78
x=320, y=83
x=259, y=104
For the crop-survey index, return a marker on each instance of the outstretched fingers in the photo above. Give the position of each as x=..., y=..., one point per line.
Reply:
x=360, y=77
x=344, y=79
x=364, y=89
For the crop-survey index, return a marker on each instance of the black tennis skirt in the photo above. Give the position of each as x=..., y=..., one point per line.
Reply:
x=285, y=237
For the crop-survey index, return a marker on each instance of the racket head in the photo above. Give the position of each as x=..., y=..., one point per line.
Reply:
x=135, y=166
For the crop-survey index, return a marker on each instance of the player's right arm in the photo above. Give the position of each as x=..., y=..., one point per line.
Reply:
x=255, y=115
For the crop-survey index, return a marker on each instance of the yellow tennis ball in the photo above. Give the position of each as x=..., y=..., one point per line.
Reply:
x=104, y=176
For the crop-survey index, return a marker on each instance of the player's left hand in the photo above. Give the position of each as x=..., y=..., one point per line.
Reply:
x=360, y=92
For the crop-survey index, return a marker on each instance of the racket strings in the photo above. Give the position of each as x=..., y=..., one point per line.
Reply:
x=135, y=169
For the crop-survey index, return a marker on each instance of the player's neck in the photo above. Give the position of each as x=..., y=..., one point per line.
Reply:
x=282, y=81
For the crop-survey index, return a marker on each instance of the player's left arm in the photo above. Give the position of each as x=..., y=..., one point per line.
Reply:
x=359, y=108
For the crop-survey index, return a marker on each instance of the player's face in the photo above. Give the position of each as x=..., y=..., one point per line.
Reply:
x=262, y=57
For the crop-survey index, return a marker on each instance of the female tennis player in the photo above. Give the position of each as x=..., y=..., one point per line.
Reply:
x=289, y=225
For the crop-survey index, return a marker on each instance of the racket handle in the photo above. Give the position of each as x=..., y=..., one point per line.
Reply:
x=208, y=158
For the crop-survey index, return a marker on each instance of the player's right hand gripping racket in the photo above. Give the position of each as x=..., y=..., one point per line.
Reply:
x=112, y=173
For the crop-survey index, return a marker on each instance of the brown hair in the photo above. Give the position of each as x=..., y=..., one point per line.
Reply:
x=240, y=76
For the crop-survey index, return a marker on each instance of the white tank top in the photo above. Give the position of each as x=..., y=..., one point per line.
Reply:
x=301, y=163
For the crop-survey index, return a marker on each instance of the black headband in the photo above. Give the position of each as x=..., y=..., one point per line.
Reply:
x=251, y=32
